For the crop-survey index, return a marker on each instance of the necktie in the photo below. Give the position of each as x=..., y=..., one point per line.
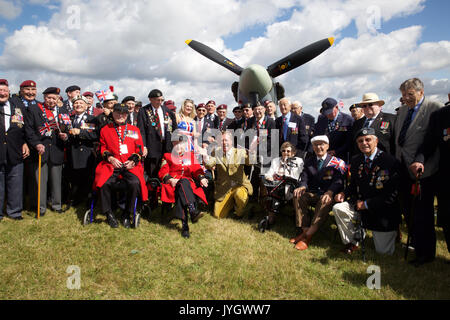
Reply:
x=2, y=118
x=367, y=123
x=285, y=127
x=158, y=123
x=220, y=125
x=320, y=164
x=367, y=165
x=406, y=124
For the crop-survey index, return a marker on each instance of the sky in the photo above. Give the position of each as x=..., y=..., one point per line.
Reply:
x=139, y=45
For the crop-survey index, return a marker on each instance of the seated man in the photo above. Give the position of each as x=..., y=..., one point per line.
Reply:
x=178, y=171
x=321, y=179
x=372, y=193
x=279, y=182
x=121, y=148
x=232, y=187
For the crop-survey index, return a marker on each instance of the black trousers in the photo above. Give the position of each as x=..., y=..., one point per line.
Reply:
x=183, y=196
x=111, y=185
x=81, y=180
x=151, y=167
x=443, y=194
x=421, y=226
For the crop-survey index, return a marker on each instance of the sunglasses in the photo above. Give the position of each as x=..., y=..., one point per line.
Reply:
x=287, y=151
x=367, y=105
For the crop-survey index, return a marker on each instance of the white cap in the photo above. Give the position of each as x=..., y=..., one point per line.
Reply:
x=320, y=138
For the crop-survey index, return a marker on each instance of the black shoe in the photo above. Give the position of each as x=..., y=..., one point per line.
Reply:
x=17, y=218
x=194, y=213
x=421, y=261
x=126, y=221
x=263, y=224
x=60, y=211
x=185, y=232
x=112, y=220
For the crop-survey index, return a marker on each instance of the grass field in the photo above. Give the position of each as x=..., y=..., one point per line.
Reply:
x=223, y=259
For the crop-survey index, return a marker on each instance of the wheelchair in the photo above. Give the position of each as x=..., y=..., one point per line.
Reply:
x=276, y=197
x=117, y=198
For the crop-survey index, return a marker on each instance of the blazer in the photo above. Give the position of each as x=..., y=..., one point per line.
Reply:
x=229, y=173
x=153, y=140
x=341, y=137
x=328, y=178
x=415, y=136
x=11, y=141
x=81, y=150
x=383, y=125
x=296, y=133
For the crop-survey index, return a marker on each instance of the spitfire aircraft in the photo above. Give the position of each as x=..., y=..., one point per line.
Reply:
x=256, y=83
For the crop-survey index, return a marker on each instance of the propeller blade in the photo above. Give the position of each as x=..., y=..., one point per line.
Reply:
x=299, y=57
x=214, y=56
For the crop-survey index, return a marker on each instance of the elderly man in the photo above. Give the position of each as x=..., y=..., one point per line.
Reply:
x=321, y=179
x=271, y=109
x=382, y=123
x=356, y=111
x=224, y=122
x=121, y=147
x=413, y=121
x=232, y=187
x=130, y=103
x=47, y=140
x=291, y=128
x=337, y=126
x=13, y=150
x=92, y=110
x=72, y=92
x=27, y=94
x=156, y=123
x=211, y=115
x=372, y=194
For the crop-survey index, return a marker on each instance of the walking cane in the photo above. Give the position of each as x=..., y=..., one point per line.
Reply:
x=415, y=191
x=39, y=189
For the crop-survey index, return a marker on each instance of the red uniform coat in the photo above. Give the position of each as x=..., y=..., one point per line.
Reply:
x=177, y=168
x=110, y=142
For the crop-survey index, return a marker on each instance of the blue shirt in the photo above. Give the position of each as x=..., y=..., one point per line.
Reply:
x=416, y=109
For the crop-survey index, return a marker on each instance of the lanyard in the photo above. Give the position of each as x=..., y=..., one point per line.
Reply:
x=122, y=140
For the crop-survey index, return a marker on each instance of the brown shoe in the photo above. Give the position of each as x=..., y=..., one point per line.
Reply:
x=297, y=238
x=349, y=248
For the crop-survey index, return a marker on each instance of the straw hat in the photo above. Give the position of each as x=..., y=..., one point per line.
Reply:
x=371, y=98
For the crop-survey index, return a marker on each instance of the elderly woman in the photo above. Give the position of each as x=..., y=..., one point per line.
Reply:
x=280, y=181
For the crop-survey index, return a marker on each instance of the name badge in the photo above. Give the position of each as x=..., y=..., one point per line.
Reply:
x=292, y=125
x=123, y=149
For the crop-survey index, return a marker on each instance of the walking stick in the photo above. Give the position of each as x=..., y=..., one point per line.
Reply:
x=39, y=189
x=415, y=191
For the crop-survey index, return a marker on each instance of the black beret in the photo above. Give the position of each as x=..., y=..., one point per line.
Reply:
x=72, y=88
x=237, y=108
x=155, y=93
x=353, y=106
x=128, y=98
x=365, y=132
x=51, y=90
x=120, y=107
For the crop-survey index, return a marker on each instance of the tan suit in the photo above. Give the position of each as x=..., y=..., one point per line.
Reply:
x=231, y=182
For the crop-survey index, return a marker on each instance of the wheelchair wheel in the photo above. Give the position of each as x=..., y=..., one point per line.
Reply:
x=137, y=220
x=87, y=217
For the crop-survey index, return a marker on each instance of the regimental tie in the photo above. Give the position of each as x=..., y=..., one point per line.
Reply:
x=368, y=122
x=220, y=125
x=285, y=128
x=320, y=164
x=158, y=123
x=367, y=165
x=406, y=124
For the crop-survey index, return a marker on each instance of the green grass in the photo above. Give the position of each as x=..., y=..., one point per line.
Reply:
x=223, y=259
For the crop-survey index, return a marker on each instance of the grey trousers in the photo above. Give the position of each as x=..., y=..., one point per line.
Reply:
x=53, y=173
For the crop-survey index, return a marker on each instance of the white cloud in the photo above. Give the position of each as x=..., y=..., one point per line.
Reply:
x=9, y=10
x=139, y=45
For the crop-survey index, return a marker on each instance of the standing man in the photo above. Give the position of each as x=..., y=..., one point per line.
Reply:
x=130, y=103
x=156, y=124
x=47, y=140
x=13, y=150
x=291, y=128
x=211, y=108
x=72, y=92
x=92, y=110
x=238, y=119
x=202, y=124
x=271, y=109
x=413, y=121
x=382, y=123
x=337, y=126
x=372, y=194
x=27, y=94
x=224, y=122
x=356, y=112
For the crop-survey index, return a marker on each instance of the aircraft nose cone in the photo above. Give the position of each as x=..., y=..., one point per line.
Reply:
x=255, y=78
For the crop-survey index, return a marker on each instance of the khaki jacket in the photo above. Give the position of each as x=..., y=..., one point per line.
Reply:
x=230, y=172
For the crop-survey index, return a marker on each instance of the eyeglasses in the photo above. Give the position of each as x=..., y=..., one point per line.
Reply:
x=367, y=105
x=287, y=151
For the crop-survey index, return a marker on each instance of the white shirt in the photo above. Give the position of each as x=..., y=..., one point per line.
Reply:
x=7, y=110
x=161, y=119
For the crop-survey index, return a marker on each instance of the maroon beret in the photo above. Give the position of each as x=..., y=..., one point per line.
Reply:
x=169, y=103
x=222, y=106
x=266, y=103
x=28, y=83
x=211, y=101
x=4, y=82
x=88, y=94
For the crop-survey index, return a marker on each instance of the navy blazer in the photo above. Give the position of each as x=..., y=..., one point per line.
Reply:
x=296, y=133
x=81, y=151
x=323, y=180
x=340, y=138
